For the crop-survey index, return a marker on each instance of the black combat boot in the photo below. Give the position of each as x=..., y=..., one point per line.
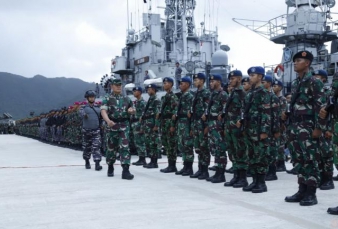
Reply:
x=189, y=170
x=152, y=164
x=310, y=197
x=126, y=175
x=281, y=166
x=110, y=172
x=220, y=178
x=233, y=180
x=171, y=167
x=252, y=185
x=271, y=173
x=231, y=170
x=327, y=182
x=335, y=178
x=205, y=174
x=87, y=165
x=213, y=168
x=183, y=169
x=293, y=171
x=333, y=211
x=98, y=167
x=242, y=181
x=198, y=173
x=141, y=161
x=298, y=196
x=212, y=177
x=260, y=184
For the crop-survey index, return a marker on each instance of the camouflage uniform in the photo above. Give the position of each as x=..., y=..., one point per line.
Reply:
x=304, y=148
x=168, y=109
x=281, y=157
x=117, y=136
x=149, y=121
x=138, y=132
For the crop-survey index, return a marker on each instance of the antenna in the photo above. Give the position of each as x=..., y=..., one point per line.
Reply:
x=128, y=13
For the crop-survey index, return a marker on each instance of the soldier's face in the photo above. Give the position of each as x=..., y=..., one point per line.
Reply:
x=321, y=78
x=198, y=82
x=151, y=91
x=117, y=88
x=91, y=99
x=301, y=64
x=184, y=86
x=167, y=85
x=212, y=84
x=255, y=78
x=246, y=86
x=276, y=88
x=266, y=84
x=234, y=81
x=136, y=93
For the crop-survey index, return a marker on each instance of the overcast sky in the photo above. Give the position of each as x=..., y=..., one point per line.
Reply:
x=78, y=38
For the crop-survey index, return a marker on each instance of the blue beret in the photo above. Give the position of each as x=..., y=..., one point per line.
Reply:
x=235, y=73
x=322, y=73
x=186, y=79
x=257, y=70
x=168, y=79
x=215, y=77
x=245, y=79
x=137, y=89
x=200, y=76
x=304, y=55
x=152, y=86
x=267, y=79
x=277, y=82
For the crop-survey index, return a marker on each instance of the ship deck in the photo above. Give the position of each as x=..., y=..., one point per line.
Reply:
x=44, y=186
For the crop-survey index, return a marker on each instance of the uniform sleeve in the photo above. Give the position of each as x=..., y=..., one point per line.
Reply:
x=266, y=113
x=276, y=115
x=174, y=107
x=157, y=104
x=319, y=99
x=104, y=105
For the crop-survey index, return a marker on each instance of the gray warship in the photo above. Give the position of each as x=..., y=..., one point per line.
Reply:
x=307, y=25
x=164, y=41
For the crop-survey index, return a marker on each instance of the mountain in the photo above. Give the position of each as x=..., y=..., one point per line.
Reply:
x=20, y=95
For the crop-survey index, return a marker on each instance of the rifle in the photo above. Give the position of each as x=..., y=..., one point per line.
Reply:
x=193, y=107
x=145, y=109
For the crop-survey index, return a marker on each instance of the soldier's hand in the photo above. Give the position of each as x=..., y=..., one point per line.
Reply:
x=284, y=116
x=238, y=124
x=323, y=113
x=155, y=128
x=191, y=133
x=316, y=133
x=263, y=136
x=140, y=119
x=189, y=114
x=131, y=110
x=172, y=130
x=206, y=130
x=328, y=134
x=219, y=117
x=174, y=117
x=111, y=123
x=204, y=117
x=277, y=135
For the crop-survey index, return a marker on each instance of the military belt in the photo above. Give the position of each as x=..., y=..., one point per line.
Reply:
x=213, y=118
x=302, y=118
x=148, y=117
x=120, y=119
x=167, y=116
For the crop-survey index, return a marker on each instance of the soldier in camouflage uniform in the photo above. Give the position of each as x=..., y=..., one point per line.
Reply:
x=332, y=111
x=325, y=142
x=275, y=130
x=185, y=141
x=213, y=116
x=199, y=127
x=151, y=122
x=168, y=133
x=138, y=131
x=91, y=143
x=305, y=129
x=234, y=139
x=277, y=88
x=116, y=110
x=257, y=116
